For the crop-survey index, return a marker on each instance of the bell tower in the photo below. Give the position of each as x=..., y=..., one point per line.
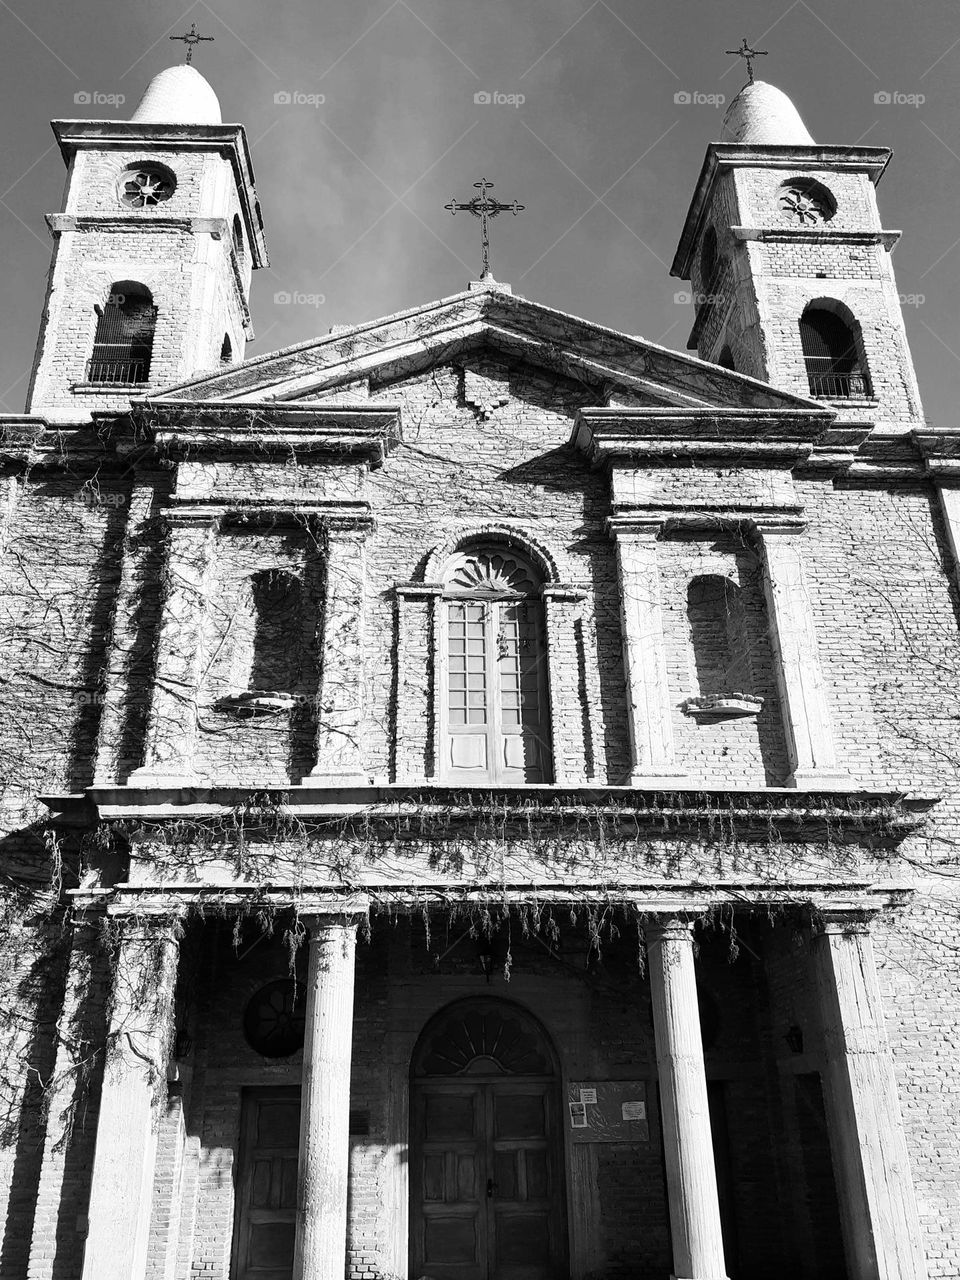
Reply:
x=153, y=252
x=790, y=267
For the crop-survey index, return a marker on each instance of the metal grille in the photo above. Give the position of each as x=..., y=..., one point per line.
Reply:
x=831, y=356
x=124, y=340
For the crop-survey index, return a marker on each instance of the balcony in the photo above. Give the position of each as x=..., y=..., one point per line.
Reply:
x=831, y=383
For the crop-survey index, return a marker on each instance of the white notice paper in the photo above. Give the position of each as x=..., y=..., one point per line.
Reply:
x=633, y=1110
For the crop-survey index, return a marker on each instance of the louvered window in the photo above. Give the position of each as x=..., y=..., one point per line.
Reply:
x=123, y=344
x=832, y=356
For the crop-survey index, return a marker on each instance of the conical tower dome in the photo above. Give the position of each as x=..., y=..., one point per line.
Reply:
x=178, y=95
x=763, y=115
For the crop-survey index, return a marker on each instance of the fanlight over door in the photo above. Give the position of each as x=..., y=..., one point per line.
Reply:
x=486, y=1173
x=494, y=711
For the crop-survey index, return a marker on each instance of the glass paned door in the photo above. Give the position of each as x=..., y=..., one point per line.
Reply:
x=495, y=711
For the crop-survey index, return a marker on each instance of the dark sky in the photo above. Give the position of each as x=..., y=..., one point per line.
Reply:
x=600, y=151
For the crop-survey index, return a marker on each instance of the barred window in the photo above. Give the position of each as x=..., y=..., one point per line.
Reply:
x=123, y=344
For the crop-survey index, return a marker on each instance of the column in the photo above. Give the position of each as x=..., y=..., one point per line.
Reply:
x=806, y=716
x=321, y=1242
x=688, y=1144
x=134, y=1079
x=172, y=725
x=340, y=702
x=650, y=714
x=878, y=1208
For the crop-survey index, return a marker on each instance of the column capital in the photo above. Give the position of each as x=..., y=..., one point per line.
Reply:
x=667, y=928
x=785, y=525
x=202, y=519
x=844, y=920
x=319, y=922
x=644, y=528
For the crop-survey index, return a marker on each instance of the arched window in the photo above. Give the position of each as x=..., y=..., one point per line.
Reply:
x=237, y=235
x=277, y=615
x=226, y=350
x=832, y=353
x=494, y=721
x=717, y=636
x=123, y=343
x=725, y=359
x=709, y=259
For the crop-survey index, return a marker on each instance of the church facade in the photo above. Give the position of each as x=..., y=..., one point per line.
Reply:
x=480, y=788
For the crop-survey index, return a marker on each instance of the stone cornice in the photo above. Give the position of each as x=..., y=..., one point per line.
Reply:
x=939, y=449
x=817, y=235
x=354, y=432
x=839, y=904
x=798, y=815
x=267, y=513
x=632, y=436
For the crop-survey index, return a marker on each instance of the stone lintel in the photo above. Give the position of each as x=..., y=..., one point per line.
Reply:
x=335, y=517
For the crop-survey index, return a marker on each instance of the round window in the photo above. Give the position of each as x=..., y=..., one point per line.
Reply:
x=805, y=201
x=145, y=185
x=274, y=1019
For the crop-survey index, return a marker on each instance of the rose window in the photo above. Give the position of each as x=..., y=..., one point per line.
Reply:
x=144, y=188
x=807, y=203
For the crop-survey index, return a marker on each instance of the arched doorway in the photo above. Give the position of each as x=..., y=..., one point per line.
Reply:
x=486, y=1177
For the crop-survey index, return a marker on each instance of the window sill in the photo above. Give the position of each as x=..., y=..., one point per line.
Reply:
x=108, y=388
x=862, y=402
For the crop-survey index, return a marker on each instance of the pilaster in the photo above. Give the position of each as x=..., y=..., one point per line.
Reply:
x=806, y=714
x=340, y=755
x=649, y=713
x=878, y=1207
x=172, y=724
x=121, y=1188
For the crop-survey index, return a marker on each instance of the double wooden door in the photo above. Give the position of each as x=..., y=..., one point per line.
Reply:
x=487, y=1188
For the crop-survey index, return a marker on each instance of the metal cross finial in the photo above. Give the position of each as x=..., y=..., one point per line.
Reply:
x=748, y=56
x=190, y=39
x=483, y=207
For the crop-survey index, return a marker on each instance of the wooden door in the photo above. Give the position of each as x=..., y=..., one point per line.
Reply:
x=486, y=1182
x=266, y=1208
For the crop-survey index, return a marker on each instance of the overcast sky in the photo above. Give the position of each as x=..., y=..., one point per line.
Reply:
x=600, y=151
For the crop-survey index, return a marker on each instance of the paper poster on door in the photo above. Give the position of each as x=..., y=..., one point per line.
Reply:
x=608, y=1111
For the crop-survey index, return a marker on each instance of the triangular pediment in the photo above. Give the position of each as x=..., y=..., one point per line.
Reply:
x=485, y=325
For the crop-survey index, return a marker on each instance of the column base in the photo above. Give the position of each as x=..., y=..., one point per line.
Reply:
x=660, y=780
x=819, y=780
x=166, y=776
x=700, y=1277
x=320, y=777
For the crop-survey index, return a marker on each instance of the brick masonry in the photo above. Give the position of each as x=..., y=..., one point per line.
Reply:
x=83, y=581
